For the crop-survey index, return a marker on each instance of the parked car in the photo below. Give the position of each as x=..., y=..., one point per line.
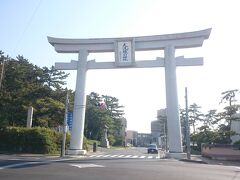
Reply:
x=152, y=148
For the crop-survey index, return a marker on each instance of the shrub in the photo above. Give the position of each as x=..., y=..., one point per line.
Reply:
x=29, y=140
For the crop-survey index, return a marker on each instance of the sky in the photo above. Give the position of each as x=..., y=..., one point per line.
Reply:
x=26, y=24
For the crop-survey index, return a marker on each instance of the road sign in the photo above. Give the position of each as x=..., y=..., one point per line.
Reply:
x=69, y=120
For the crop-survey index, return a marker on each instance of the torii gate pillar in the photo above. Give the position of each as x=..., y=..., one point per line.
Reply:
x=173, y=122
x=124, y=49
x=76, y=142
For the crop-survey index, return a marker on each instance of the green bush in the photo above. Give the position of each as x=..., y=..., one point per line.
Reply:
x=29, y=140
x=237, y=143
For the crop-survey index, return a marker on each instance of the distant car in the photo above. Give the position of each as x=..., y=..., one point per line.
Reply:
x=152, y=148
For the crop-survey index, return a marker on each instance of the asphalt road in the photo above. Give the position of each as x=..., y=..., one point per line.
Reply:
x=107, y=168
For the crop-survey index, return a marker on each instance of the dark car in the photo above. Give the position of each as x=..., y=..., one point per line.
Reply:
x=152, y=148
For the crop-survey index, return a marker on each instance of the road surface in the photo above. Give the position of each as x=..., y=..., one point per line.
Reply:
x=111, y=165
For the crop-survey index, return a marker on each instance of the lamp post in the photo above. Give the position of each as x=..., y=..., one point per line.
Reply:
x=187, y=126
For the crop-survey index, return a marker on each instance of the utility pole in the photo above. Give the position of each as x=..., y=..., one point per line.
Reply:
x=2, y=73
x=65, y=127
x=187, y=126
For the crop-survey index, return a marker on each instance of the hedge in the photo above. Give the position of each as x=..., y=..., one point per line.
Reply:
x=29, y=140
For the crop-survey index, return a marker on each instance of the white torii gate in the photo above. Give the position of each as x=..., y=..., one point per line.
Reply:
x=124, y=49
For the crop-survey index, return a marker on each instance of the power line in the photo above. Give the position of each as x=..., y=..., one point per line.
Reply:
x=27, y=25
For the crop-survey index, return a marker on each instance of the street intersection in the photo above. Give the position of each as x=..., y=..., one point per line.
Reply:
x=110, y=164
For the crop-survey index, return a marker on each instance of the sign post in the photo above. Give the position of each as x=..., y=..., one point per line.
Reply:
x=65, y=127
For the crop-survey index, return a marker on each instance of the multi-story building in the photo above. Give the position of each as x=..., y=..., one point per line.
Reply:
x=157, y=136
x=144, y=139
x=159, y=129
x=132, y=137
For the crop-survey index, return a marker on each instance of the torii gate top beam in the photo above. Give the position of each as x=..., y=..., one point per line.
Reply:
x=142, y=43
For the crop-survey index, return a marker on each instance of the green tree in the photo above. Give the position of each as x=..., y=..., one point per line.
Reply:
x=229, y=96
x=116, y=112
x=25, y=85
x=195, y=116
x=211, y=119
x=96, y=117
x=103, y=111
x=113, y=107
x=232, y=108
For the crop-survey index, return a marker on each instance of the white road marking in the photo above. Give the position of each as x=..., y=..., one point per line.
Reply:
x=85, y=165
x=235, y=167
x=107, y=155
x=14, y=159
x=135, y=157
x=124, y=156
x=128, y=156
x=121, y=156
x=99, y=155
x=93, y=156
x=114, y=155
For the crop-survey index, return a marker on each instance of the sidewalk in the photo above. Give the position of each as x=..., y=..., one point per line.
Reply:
x=204, y=160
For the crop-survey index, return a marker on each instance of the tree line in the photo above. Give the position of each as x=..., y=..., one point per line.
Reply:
x=24, y=84
x=213, y=126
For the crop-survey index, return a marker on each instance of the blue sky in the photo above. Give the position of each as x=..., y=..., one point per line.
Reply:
x=26, y=24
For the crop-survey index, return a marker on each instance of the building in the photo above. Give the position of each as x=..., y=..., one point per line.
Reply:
x=132, y=137
x=144, y=139
x=157, y=136
x=159, y=129
x=235, y=127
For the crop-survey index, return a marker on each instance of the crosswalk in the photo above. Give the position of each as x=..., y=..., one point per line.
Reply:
x=125, y=156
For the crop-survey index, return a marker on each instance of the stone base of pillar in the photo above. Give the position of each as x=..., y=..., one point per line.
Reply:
x=76, y=152
x=176, y=155
x=105, y=143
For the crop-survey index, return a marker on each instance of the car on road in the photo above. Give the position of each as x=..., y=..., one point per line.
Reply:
x=152, y=148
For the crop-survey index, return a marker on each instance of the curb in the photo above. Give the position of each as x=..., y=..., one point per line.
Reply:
x=193, y=161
